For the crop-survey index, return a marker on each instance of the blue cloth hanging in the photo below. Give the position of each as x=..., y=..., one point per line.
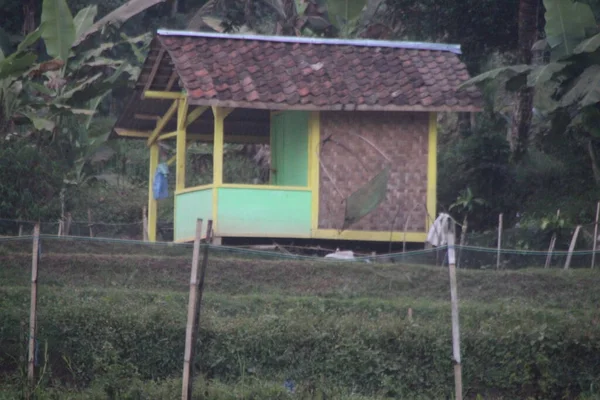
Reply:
x=161, y=183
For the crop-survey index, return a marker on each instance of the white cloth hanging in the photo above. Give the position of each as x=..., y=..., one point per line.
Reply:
x=438, y=232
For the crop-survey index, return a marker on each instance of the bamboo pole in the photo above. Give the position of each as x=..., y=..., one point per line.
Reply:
x=203, y=266
x=186, y=392
x=499, y=241
x=33, y=308
x=90, y=225
x=145, y=223
x=455, y=319
x=595, y=236
x=195, y=298
x=572, y=246
x=552, y=244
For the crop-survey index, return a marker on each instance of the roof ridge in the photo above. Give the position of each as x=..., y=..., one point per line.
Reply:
x=452, y=48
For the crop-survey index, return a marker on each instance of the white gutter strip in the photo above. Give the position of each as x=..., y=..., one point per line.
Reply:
x=453, y=48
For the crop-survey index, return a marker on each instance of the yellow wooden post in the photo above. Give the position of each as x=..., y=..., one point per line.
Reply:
x=152, y=205
x=432, y=171
x=314, y=166
x=181, y=144
x=219, y=140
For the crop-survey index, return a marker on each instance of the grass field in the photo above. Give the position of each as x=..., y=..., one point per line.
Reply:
x=113, y=320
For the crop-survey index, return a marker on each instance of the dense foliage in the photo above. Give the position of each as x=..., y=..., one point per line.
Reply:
x=559, y=171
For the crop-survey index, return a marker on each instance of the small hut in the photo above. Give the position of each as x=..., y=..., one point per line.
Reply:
x=351, y=126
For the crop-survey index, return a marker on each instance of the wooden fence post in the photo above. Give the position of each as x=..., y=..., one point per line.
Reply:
x=145, y=223
x=33, y=308
x=455, y=321
x=194, y=307
x=552, y=244
x=90, y=225
x=499, y=241
x=572, y=246
x=595, y=235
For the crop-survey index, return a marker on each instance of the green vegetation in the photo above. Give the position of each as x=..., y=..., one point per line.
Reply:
x=112, y=319
x=519, y=163
x=115, y=323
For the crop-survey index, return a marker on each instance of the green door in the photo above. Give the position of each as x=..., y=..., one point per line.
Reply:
x=289, y=148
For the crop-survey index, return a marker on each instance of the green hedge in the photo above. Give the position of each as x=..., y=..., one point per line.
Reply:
x=367, y=350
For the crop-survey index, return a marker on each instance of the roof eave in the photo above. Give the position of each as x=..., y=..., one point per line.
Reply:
x=336, y=107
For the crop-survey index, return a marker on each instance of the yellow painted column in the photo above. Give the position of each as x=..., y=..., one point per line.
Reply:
x=182, y=109
x=219, y=141
x=152, y=204
x=314, y=143
x=431, y=171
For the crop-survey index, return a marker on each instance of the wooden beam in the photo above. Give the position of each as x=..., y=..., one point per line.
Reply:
x=161, y=54
x=131, y=133
x=195, y=114
x=172, y=79
x=146, y=117
x=152, y=204
x=160, y=124
x=163, y=95
x=168, y=135
x=241, y=139
x=182, y=111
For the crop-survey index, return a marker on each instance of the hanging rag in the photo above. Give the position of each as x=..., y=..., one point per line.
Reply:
x=161, y=183
x=438, y=232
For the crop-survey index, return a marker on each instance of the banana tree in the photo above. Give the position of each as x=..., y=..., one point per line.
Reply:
x=291, y=17
x=75, y=73
x=568, y=87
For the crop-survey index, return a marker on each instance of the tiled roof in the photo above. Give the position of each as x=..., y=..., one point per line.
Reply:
x=236, y=71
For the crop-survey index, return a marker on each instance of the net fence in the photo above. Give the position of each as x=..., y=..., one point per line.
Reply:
x=111, y=311
x=469, y=257
x=114, y=230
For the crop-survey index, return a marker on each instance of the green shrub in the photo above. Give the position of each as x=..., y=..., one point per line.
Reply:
x=30, y=182
x=101, y=340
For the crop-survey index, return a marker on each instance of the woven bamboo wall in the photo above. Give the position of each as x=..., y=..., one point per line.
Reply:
x=351, y=162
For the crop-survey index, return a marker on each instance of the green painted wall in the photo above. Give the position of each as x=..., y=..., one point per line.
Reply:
x=262, y=212
x=289, y=151
x=189, y=207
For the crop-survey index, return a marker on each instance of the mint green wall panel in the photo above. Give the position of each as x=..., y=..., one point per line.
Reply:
x=263, y=212
x=188, y=208
x=289, y=152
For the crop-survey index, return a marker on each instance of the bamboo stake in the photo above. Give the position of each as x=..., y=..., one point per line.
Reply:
x=572, y=246
x=550, y=250
x=595, y=236
x=90, y=225
x=20, y=230
x=552, y=244
x=203, y=266
x=60, y=227
x=67, y=227
x=196, y=291
x=145, y=223
x=455, y=320
x=33, y=308
x=499, y=240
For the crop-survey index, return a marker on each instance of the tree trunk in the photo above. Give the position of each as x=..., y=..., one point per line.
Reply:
x=594, y=161
x=521, y=121
x=29, y=10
